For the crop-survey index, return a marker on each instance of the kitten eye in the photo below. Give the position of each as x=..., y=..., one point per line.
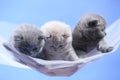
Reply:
x=93, y=23
x=18, y=38
x=65, y=36
x=49, y=36
x=40, y=37
x=60, y=45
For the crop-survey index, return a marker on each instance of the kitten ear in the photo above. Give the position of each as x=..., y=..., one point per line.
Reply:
x=93, y=23
x=18, y=38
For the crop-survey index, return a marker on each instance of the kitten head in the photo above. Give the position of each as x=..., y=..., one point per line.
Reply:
x=92, y=26
x=28, y=40
x=58, y=36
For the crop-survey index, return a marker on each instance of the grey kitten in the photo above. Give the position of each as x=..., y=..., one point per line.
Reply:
x=89, y=33
x=58, y=44
x=28, y=40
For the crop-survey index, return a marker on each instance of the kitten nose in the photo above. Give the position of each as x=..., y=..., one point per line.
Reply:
x=105, y=34
x=56, y=39
x=101, y=35
x=29, y=48
x=55, y=48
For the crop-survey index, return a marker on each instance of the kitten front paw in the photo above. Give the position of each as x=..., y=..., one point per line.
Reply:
x=105, y=49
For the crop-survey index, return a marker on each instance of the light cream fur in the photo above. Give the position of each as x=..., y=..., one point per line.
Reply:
x=58, y=33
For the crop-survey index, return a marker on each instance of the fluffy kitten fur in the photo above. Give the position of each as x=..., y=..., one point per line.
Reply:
x=28, y=40
x=89, y=33
x=58, y=44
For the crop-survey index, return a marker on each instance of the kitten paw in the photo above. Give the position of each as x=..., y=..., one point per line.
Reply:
x=105, y=49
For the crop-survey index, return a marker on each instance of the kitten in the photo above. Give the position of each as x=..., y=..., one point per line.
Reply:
x=89, y=33
x=28, y=40
x=58, y=44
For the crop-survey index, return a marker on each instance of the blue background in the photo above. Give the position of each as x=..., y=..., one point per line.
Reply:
x=40, y=11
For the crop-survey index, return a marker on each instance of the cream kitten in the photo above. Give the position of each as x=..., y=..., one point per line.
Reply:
x=58, y=44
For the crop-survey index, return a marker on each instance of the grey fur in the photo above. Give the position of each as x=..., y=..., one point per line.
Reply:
x=28, y=40
x=58, y=41
x=89, y=33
